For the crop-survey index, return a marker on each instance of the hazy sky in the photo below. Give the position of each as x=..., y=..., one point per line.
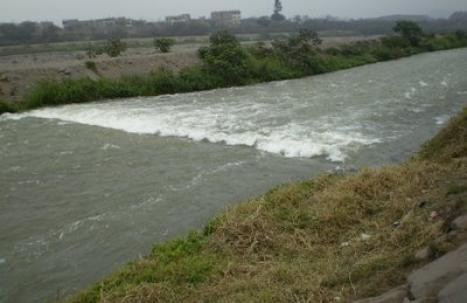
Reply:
x=56, y=10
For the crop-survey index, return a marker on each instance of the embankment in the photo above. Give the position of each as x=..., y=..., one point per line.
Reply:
x=333, y=238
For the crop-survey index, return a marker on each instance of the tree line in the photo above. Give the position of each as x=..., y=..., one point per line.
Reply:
x=46, y=32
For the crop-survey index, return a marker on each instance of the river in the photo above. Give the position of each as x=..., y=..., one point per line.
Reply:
x=86, y=188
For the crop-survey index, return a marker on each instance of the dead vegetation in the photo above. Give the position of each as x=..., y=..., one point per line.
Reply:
x=332, y=239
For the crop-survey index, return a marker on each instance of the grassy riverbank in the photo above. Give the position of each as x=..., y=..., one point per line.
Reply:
x=336, y=236
x=226, y=63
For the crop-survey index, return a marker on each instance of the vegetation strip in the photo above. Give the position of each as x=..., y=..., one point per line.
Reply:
x=226, y=63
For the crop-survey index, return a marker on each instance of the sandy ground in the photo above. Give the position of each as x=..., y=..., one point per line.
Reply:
x=19, y=73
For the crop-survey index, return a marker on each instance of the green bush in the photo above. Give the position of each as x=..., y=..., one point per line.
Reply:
x=6, y=107
x=165, y=82
x=271, y=69
x=299, y=51
x=196, y=78
x=448, y=41
x=410, y=31
x=91, y=65
x=387, y=53
x=226, y=60
x=164, y=44
x=115, y=47
x=76, y=91
x=339, y=62
x=393, y=42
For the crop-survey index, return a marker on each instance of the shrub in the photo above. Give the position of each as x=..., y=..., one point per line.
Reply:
x=94, y=50
x=91, y=65
x=333, y=51
x=395, y=42
x=115, y=47
x=386, y=53
x=91, y=52
x=260, y=50
x=164, y=44
x=165, y=82
x=226, y=60
x=299, y=51
x=6, y=107
x=271, y=69
x=447, y=41
x=196, y=78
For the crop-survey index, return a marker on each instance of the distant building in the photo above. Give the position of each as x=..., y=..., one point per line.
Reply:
x=184, y=18
x=413, y=18
x=97, y=24
x=227, y=18
x=71, y=24
x=459, y=17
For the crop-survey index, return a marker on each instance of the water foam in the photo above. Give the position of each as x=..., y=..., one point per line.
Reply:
x=204, y=174
x=268, y=127
x=423, y=84
x=440, y=120
x=109, y=146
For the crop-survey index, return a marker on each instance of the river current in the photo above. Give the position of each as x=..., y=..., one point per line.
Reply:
x=86, y=188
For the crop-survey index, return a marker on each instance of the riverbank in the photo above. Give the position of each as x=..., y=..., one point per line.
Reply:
x=21, y=67
x=226, y=63
x=333, y=238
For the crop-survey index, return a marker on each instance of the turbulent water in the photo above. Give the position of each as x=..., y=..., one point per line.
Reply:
x=86, y=188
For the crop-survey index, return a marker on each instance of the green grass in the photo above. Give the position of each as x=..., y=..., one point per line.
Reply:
x=302, y=241
x=457, y=189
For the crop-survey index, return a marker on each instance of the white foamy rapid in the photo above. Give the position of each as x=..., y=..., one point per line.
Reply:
x=442, y=119
x=283, y=125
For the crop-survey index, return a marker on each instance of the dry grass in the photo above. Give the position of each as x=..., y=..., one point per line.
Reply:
x=334, y=238
x=450, y=142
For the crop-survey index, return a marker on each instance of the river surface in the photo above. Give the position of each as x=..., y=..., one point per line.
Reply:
x=87, y=188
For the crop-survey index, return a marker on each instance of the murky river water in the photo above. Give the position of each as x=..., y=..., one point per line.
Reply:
x=86, y=188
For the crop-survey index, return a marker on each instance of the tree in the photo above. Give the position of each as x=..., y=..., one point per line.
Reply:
x=277, y=6
x=225, y=59
x=277, y=16
x=26, y=30
x=164, y=44
x=410, y=31
x=50, y=32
